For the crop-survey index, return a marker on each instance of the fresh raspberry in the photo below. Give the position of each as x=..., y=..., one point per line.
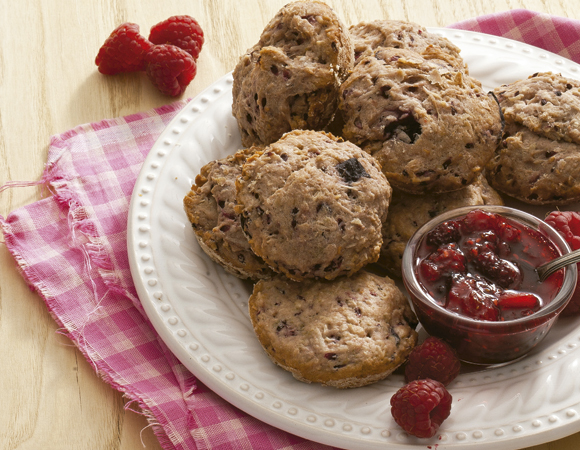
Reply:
x=170, y=68
x=568, y=224
x=421, y=406
x=434, y=359
x=123, y=51
x=182, y=31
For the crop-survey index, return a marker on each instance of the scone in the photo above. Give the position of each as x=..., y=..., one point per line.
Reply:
x=538, y=160
x=547, y=104
x=289, y=80
x=431, y=128
x=408, y=212
x=210, y=209
x=345, y=333
x=312, y=205
x=367, y=37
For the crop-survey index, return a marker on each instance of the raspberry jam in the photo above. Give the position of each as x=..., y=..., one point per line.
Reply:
x=483, y=265
x=470, y=274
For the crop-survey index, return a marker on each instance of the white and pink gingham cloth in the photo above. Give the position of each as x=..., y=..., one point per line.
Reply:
x=71, y=248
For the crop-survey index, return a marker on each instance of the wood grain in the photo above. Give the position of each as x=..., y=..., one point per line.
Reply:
x=51, y=397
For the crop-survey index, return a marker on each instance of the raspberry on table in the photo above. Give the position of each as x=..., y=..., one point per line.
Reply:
x=421, y=406
x=434, y=359
x=568, y=225
x=123, y=51
x=170, y=68
x=182, y=31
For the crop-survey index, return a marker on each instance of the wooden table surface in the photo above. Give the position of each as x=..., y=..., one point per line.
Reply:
x=50, y=396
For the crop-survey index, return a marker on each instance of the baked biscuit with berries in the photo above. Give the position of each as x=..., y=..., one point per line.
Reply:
x=312, y=205
x=431, y=127
x=209, y=206
x=289, y=80
x=345, y=333
x=367, y=37
x=538, y=160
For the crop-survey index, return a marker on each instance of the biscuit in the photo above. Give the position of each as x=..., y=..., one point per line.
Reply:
x=431, y=128
x=367, y=37
x=210, y=209
x=408, y=213
x=538, y=160
x=312, y=205
x=345, y=333
x=547, y=104
x=289, y=80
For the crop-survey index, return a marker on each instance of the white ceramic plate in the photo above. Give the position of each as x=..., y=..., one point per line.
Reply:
x=201, y=312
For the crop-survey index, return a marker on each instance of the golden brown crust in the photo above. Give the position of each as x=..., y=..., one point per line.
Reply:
x=289, y=80
x=345, y=333
x=312, y=205
x=209, y=206
x=431, y=128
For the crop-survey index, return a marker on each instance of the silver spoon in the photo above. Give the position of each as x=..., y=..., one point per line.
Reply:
x=547, y=269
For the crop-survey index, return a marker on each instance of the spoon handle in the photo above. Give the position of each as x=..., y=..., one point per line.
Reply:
x=545, y=270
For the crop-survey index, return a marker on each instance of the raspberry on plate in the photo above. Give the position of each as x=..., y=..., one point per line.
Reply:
x=170, y=68
x=434, y=359
x=568, y=224
x=181, y=31
x=421, y=406
x=123, y=51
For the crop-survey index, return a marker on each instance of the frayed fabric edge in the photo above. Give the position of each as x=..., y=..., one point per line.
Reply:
x=84, y=237
x=35, y=283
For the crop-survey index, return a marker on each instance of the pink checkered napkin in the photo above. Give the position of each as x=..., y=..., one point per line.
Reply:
x=555, y=34
x=71, y=248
